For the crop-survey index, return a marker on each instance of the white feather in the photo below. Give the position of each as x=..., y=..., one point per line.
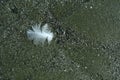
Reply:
x=40, y=35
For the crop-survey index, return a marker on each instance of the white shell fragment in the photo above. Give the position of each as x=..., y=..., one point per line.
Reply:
x=40, y=34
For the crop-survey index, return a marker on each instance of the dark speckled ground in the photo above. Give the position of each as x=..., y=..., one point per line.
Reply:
x=86, y=45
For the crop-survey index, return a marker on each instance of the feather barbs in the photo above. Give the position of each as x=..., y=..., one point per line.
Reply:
x=40, y=34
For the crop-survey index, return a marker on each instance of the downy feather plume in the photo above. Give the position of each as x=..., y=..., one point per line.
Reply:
x=40, y=34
